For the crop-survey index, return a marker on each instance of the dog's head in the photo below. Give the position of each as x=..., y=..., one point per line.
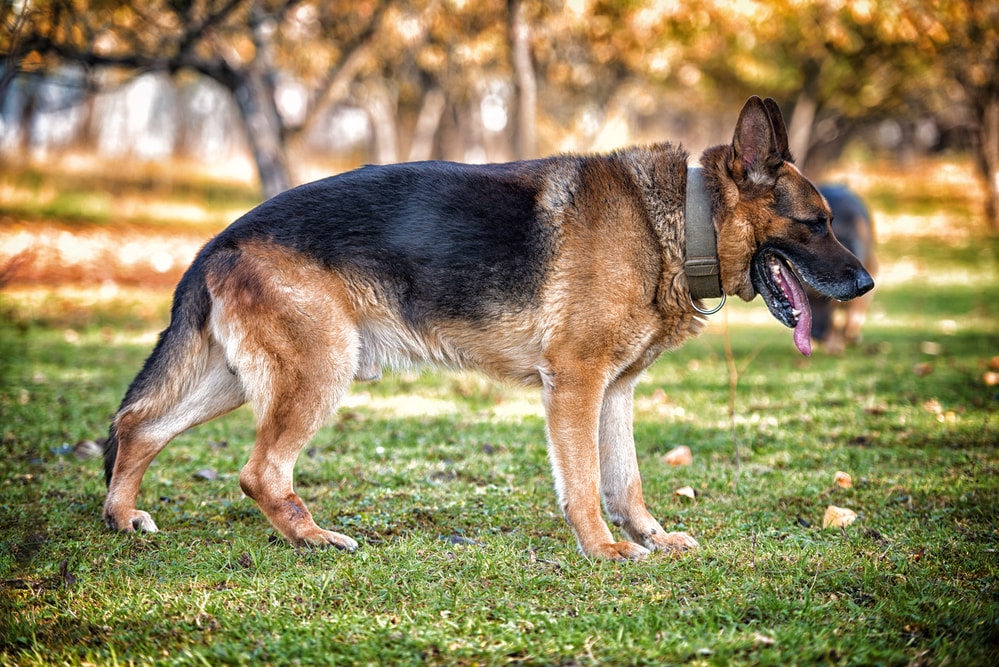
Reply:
x=773, y=225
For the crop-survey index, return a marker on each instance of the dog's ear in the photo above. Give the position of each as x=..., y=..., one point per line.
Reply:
x=755, y=154
x=780, y=129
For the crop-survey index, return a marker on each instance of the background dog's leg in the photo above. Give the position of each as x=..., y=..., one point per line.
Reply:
x=572, y=404
x=835, y=340
x=620, y=481
x=856, y=315
x=191, y=393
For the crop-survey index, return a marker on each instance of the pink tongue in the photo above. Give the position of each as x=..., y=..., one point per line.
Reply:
x=796, y=295
x=803, y=331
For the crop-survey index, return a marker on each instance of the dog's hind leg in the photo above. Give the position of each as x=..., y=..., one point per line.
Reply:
x=620, y=482
x=182, y=385
x=291, y=337
x=294, y=393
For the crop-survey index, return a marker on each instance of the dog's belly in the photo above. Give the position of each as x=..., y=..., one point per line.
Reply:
x=507, y=347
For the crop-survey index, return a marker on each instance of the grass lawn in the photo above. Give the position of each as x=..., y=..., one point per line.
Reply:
x=443, y=479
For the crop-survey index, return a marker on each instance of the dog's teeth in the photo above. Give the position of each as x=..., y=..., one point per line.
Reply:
x=795, y=312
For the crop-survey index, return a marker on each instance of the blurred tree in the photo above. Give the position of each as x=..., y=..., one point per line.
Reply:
x=242, y=44
x=842, y=66
x=961, y=38
x=525, y=83
x=436, y=61
x=426, y=69
x=407, y=62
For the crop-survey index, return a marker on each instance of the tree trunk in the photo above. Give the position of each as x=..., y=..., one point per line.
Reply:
x=256, y=105
x=987, y=139
x=525, y=82
x=429, y=120
x=382, y=105
x=799, y=132
x=254, y=93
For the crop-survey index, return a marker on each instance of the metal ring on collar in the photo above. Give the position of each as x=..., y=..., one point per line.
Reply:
x=711, y=311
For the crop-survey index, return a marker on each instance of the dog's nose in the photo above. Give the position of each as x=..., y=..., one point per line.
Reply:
x=864, y=283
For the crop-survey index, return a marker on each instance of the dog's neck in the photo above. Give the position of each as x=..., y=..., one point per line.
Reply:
x=701, y=264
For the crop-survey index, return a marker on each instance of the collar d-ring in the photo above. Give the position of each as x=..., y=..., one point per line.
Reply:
x=709, y=311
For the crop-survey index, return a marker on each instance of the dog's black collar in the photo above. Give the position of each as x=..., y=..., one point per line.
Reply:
x=701, y=264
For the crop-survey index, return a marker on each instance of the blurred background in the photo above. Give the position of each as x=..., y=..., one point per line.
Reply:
x=120, y=119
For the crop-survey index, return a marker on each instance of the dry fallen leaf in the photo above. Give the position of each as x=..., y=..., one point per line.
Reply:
x=933, y=406
x=843, y=480
x=679, y=456
x=991, y=378
x=763, y=640
x=922, y=369
x=930, y=347
x=685, y=491
x=949, y=417
x=994, y=363
x=838, y=517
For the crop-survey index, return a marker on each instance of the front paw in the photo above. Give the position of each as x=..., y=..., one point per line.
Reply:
x=673, y=542
x=617, y=551
x=319, y=538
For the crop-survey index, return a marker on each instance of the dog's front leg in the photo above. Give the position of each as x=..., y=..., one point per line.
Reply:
x=572, y=405
x=620, y=482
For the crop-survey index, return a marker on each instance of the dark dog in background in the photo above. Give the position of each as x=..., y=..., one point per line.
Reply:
x=836, y=324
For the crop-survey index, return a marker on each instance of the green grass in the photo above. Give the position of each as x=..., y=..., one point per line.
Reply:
x=465, y=558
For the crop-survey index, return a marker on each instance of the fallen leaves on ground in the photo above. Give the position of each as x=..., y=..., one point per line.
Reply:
x=685, y=492
x=679, y=456
x=838, y=517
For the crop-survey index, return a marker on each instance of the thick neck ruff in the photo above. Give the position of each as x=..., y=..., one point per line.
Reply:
x=701, y=264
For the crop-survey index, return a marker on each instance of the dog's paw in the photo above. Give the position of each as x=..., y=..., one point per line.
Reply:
x=322, y=539
x=619, y=551
x=673, y=542
x=130, y=522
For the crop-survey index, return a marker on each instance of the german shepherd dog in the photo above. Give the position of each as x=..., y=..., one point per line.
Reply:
x=837, y=324
x=565, y=273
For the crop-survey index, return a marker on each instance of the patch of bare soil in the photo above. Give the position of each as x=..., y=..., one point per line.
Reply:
x=43, y=254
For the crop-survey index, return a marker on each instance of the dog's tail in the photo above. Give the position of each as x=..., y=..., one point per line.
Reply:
x=173, y=362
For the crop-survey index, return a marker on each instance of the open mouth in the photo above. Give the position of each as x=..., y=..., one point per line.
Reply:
x=775, y=279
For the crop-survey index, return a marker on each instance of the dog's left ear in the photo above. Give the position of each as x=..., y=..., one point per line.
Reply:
x=756, y=155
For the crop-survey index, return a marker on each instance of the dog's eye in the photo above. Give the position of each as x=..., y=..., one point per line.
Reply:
x=815, y=224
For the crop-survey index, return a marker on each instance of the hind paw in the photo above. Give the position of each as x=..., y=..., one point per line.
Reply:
x=131, y=522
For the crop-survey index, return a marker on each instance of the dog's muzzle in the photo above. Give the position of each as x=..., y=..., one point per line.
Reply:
x=776, y=279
